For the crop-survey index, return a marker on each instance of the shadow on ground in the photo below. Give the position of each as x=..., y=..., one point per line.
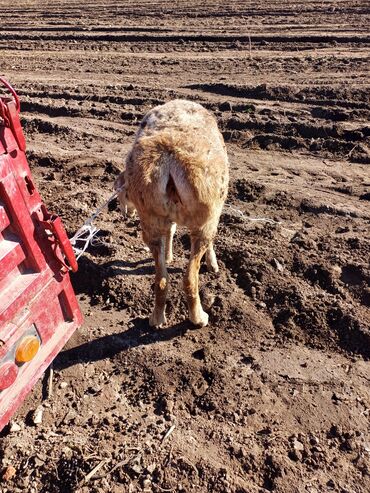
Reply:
x=140, y=334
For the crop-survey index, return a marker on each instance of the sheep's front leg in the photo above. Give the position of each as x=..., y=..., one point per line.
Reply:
x=191, y=282
x=169, y=241
x=158, y=317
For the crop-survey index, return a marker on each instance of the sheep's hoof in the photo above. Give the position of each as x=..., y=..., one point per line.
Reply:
x=211, y=260
x=201, y=320
x=212, y=267
x=169, y=259
x=157, y=319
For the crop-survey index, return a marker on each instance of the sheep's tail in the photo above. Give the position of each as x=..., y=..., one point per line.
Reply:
x=175, y=169
x=171, y=191
x=166, y=153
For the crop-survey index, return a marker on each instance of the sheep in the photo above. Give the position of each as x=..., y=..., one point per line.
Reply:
x=177, y=173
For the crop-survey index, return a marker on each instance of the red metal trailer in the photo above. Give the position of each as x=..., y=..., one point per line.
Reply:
x=38, y=307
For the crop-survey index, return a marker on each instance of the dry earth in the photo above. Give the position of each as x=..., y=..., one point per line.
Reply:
x=274, y=394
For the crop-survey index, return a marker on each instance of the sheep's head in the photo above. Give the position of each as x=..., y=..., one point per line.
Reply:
x=127, y=208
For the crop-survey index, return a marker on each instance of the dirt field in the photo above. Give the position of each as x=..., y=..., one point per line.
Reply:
x=274, y=394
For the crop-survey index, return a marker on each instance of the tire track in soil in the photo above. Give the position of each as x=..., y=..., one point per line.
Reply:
x=249, y=125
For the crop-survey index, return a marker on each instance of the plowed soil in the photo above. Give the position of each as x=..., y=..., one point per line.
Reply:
x=274, y=394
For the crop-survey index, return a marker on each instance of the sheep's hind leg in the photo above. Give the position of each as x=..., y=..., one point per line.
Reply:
x=191, y=281
x=169, y=241
x=158, y=317
x=211, y=259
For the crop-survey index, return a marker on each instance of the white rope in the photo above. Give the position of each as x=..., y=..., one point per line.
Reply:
x=248, y=218
x=86, y=234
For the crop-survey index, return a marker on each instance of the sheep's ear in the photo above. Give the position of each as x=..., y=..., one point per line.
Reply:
x=122, y=201
x=128, y=210
x=119, y=182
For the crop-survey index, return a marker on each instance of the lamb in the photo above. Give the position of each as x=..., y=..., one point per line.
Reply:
x=177, y=173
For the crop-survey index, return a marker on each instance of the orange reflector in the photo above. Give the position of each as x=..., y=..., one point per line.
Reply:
x=27, y=349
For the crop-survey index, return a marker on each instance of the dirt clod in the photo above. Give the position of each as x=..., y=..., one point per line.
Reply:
x=9, y=473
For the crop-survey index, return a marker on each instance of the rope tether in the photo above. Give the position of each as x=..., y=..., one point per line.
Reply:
x=87, y=232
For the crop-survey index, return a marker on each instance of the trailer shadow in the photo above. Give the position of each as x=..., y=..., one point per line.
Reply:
x=140, y=334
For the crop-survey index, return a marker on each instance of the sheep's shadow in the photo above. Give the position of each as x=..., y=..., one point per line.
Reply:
x=143, y=267
x=90, y=274
x=140, y=334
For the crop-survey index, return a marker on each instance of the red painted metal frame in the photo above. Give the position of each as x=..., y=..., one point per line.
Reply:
x=35, y=256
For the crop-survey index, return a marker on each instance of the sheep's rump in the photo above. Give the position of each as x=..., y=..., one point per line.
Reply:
x=178, y=165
